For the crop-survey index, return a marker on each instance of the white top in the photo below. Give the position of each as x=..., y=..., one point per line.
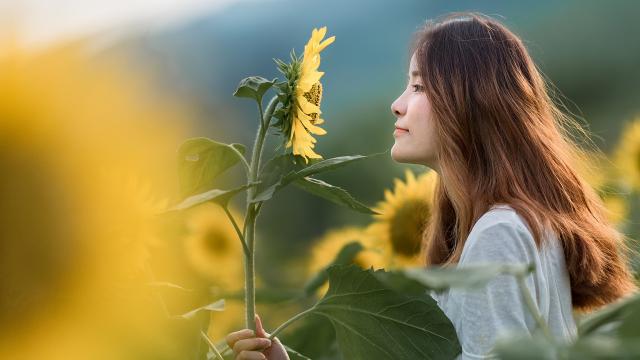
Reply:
x=481, y=316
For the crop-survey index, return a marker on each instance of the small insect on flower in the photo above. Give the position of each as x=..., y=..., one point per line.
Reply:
x=300, y=97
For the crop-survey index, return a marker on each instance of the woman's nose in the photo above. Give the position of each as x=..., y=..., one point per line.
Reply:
x=395, y=108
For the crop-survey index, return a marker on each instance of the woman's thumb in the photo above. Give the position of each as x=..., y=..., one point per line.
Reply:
x=259, y=329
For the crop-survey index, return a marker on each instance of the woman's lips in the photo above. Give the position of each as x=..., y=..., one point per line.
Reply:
x=400, y=131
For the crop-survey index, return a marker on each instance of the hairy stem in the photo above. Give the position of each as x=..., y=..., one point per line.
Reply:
x=289, y=322
x=251, y=214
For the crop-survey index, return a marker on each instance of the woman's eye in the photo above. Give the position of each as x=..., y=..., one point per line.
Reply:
x=417, y=88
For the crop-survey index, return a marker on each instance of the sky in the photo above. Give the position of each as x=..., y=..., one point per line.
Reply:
x=40, y=22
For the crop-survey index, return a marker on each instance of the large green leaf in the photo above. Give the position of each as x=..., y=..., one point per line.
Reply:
x=314, y=337
x=201, y=160
x=372, y=321
x=294, y=355
x=332, y=193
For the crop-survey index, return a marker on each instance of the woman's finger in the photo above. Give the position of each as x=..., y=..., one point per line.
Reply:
x=259, y=329
x=233, y=337
x=251, y=344
x=251, y=355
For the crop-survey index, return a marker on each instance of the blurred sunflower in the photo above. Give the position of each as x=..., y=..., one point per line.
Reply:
x=212, y=246
x=618, y=209
x=138, y=234
x=626, y=155
x=85, y=158
x=403, y=215
x=301, y=95
x=329, y=245
x=600, y=173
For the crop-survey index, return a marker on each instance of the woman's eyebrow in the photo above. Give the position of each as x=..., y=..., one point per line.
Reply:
x=414, y=73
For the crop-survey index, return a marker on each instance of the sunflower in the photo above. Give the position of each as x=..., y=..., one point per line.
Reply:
x=627, y=155
x=403, y=215
x=82, y=179
x=212, y=246
x=328, y=246
x=600, y=173
x=617, y=207
x=301, y=95
x=138, y=232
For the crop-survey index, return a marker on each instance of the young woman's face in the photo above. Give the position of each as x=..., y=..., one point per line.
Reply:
x=413, y=112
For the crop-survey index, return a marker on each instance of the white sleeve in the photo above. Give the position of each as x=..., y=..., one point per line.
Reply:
x=488, y=312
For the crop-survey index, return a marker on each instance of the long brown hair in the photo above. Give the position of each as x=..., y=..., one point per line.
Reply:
x=501, y=139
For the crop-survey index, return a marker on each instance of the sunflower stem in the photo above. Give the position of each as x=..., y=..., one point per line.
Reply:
x=261, y=113
x=290, y=321
x=251, y=214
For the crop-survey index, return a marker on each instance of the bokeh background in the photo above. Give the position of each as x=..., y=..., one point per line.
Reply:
x=97, y=96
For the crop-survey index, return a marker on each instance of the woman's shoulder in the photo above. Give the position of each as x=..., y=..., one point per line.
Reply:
x=499, y=233
x=501, y=216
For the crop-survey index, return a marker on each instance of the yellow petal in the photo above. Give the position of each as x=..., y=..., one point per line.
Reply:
x=322, y=32
x=312, y=128
x=307, y=81
x=326, y=43
x=307, y=106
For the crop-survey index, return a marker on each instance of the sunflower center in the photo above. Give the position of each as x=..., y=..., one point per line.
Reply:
x=407, y=225
x=314, y=95
x=215, y=242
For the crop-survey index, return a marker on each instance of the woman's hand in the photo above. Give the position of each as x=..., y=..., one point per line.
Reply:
x=248, y=347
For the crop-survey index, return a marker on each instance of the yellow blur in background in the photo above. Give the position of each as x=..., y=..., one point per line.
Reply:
x=88, y=158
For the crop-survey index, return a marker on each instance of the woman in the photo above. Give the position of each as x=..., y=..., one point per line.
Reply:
x=476, y=111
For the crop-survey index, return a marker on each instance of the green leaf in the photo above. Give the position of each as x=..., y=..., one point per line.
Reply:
x=254, y=87
x=272, y=174
x=284, y=169
x=294, y=355
x=373, y=321
x=612, y=313
x=332, y=193
x=201, y=160
x=525, y=347
x=470, y=276
x=314, y=337
x=221, y=197
x=330, y=164
x=214, y=306
x=400, y=282
x=345, y=256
